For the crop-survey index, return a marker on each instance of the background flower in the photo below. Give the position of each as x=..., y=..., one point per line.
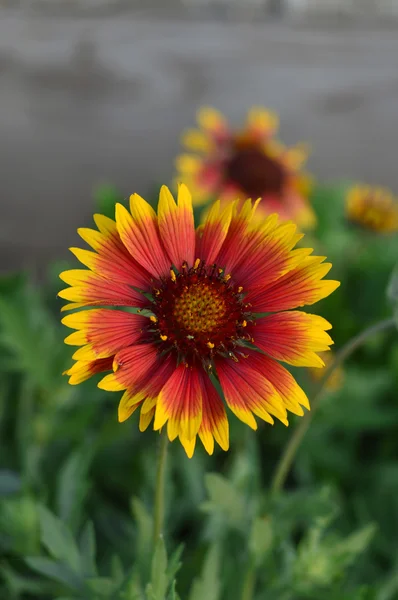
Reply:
x=373, y=208
x=230, y=163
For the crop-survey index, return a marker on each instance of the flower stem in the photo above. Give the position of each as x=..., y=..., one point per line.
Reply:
x=286, y=460
x=249, y=582
x=159, y=491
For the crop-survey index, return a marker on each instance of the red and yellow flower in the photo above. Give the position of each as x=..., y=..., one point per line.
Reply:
x=227, y=164
x=178, y=314
x=373, y=208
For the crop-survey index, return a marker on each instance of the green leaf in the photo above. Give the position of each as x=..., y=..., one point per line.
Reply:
x=132, y=588
x=349, y=548
x=157, y=589
x=208, y=586
x=261, y=538
x=173, y=592
x=117, y=570
x=19, y=524
x=73, y=485
x=145, y=528
x=322, y=558
x=224, y=499
x=10, y=482
x=389, y=588
x=56, y=571
x=174, y=562
x=58, y=540
x=28, y=332
x=17, y=585
x=101, y=586
x=88, y=550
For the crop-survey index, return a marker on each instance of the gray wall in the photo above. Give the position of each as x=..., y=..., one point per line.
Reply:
x=103, y=97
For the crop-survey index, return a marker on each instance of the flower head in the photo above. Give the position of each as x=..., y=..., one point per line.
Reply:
x=373, y=208
x=250, y=163
x=184, y=315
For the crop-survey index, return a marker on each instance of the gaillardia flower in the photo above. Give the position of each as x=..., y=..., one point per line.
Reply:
x=228, y=164
x=373, y=208
x=182, y=315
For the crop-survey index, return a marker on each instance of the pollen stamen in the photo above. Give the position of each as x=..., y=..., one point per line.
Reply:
x=199, y=314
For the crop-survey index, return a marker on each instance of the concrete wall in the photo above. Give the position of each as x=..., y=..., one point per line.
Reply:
x=103, y=98
x=221, y=9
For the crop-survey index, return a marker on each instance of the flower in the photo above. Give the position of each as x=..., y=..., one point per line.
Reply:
x=250, y=163
x=373, y=208
x=184, y=316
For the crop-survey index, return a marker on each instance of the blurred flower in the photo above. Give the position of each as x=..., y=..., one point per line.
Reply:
x=336, y=379
x=199, y=295
x=250, y=163
x=374, y=208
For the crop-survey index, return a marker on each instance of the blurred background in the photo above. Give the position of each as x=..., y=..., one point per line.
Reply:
x=97, y=91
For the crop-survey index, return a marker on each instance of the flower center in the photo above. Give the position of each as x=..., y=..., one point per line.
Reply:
x=254, y=172
x=199, y=312
x=200, y=308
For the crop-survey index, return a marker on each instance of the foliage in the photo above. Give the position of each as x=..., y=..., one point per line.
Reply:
x=76, y=487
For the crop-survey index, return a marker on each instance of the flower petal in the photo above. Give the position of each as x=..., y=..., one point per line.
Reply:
x=130, y=365
x=147, y=388
x=146, y=419
x=176, y=225
x=180, y=403
x=188, y=445
x=129, y=402
x=196, y=140
x=302, y=286
x=214, y=425
x=90, y=289
x=247, y=391
x=104, y=332
x=293, y=337
x=263, y=122
x=212, y=121
x=188, y=164
x=139, y=232
x=293, y=397
x=268, y=255
x=110, y=259
x=82, y=370
x=213, y=233
x=237, y=238
x=257, y=252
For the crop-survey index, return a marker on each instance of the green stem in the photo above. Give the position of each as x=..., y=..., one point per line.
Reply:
x=159, y=492
x=286, y=460
x=249, y=582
